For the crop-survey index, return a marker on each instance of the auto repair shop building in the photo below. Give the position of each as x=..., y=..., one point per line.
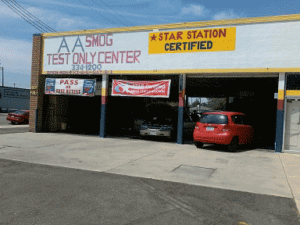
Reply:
x=249, y=65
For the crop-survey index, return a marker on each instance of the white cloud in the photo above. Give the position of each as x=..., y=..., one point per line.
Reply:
x=197, y=10
x=226, y=15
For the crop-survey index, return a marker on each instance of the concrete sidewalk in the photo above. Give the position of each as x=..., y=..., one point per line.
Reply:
x=256, y=171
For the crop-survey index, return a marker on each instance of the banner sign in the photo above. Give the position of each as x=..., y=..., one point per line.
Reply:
x=157, y=89
x=66, y=86
x=204, y=40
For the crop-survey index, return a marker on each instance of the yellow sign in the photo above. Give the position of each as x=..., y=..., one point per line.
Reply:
x=204, y=40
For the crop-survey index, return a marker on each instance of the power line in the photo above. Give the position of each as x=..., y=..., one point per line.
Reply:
x=24, y=18
x=32, y=16
x=98, y=13
x=35, y=22
x=125, y=20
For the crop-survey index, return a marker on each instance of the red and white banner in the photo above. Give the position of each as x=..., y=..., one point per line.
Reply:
x=156, y=89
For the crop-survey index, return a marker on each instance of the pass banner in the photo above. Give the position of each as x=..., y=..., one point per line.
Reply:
x=188, y=41
x=155, y=89
x=66, y=86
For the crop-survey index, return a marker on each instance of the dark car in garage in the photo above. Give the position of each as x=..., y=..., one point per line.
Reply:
x=159, y=120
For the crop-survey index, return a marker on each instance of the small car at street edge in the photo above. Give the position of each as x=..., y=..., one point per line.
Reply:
x=225, y=128
x=19, y=116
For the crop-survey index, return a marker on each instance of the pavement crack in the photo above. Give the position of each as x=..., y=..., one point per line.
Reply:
x=177, y=203
x=8, y=146
x=145, y=219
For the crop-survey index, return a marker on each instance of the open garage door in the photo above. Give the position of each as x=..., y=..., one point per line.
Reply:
x=253, y=96
x=71, y=108
x=127, y=114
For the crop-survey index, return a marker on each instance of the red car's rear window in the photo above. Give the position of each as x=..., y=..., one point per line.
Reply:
x=214, y=118
x=20, y=112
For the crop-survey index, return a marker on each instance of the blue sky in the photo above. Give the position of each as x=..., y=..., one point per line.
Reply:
x=66, y=15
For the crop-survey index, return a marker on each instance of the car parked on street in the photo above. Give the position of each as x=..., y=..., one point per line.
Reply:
x=226, y=128
x=19, y=116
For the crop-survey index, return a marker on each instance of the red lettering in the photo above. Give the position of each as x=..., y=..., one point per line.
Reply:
x=160, y=36
x=71, y=82
x=109, y=42
x=172, y=36
x=215, y=33
x=205, y=31
x=194, y=32
x=200, y=34
x=89, y=41
x=129, y=57
x=93, y=56
x=179, y=35
x=102, y=40
x=54, y=59
x=189, y=35
x=99, y=53
x=166, y=35
x=122, y=53
x=115, y=57
x=107, y=57
x=222, y=32
x=49, y=58
x=76, y=82
x=66, y=82
x=77, y=58
x=136, y=54
x=67, y=54
x=61, y=81
x=81, y=58
x=95, y=41
x=61, y=58
x=87, y=57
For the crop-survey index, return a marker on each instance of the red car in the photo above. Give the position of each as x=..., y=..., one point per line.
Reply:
x=226, y=128
x=19, y=116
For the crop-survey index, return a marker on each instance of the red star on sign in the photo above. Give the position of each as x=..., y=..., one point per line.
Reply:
x=153, y=38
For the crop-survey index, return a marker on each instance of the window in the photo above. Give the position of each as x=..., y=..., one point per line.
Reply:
x=239, y=119
x=214, y=118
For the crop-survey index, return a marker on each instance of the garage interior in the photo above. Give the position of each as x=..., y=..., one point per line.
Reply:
x=72, y=114
x=125, y=113
x=253, y=96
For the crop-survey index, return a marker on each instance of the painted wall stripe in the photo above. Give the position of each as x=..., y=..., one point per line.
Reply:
x=293, y=93
x=280, y=113
x=102, y=132
x=191, y=71
x=280, y=94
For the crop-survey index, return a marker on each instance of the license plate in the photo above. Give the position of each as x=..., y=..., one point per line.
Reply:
x=152, y=132
x=210, y=128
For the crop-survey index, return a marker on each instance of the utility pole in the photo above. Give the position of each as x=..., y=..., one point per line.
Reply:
x=2, y=68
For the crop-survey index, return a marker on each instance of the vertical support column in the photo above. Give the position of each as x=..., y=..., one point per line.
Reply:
x=181, y=104
x=37, y=85
x=102, y=132
x=280, y=113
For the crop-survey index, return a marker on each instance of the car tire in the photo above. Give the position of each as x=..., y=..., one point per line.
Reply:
x=198, y=144
x=13, y=123
x=233, y=146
